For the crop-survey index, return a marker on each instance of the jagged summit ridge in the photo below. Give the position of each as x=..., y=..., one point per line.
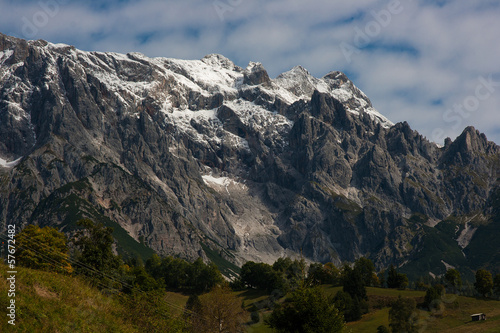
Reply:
x=181, y=88
x=219, y=71
x=216, y=73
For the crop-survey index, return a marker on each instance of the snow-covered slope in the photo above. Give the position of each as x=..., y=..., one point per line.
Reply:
x=168, y=83
x=188, y=93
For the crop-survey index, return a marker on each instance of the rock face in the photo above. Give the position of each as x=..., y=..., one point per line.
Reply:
x=183, y=156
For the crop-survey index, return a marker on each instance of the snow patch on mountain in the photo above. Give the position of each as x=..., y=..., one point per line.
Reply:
x=259, y=118
x=207, y=74
x=222, y=181
x=11, y=164
x=5, y=55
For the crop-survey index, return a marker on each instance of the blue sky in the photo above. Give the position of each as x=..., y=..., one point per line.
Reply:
x=434, y=64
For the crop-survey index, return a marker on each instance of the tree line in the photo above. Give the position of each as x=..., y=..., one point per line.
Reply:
x=212, y=304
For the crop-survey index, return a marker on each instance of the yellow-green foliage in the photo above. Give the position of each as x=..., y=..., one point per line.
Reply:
x=43, y=248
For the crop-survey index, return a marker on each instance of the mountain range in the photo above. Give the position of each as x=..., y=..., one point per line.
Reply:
x=205, y=158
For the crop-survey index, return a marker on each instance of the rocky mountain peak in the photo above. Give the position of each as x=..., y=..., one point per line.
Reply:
x=256, y=74
x=220, y=61
x=472, y=140
x=184, y=156
x=469, y=145
x=298, y=81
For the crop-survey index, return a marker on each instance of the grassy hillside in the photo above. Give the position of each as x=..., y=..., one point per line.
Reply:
x=50, y=302
x=226, y=267
x=455, y=318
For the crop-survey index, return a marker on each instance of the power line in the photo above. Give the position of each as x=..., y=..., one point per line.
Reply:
x=56, y=264
x=50, y=260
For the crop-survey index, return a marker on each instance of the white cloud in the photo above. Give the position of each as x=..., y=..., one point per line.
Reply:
x=426, y=60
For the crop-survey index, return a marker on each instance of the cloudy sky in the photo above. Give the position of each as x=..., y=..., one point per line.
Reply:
x=435, y=64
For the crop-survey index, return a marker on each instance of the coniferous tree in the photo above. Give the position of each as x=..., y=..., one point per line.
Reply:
x=382, y=279
x=306, y=311
x=353, y=285
x=392, y=277
x=395, y=279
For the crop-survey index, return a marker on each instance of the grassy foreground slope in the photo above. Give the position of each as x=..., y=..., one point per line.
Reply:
x=51, y=302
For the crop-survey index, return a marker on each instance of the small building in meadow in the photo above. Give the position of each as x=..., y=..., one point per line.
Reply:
x=478, y=316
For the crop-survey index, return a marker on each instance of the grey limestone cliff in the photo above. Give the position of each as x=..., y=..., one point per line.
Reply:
x=186, y=156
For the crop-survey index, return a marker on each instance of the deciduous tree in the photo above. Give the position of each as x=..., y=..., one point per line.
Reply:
x=152, y=312
x=94, y=251
x=203, y=277
x=433, y=297
x=453, y=278
x=401, y=316
x=322, y=274
x=43, y=248
x=484, y=282
x=261, y=276
x=352, y=283
x=219, y=311
x=382, y=329
x=366, y=269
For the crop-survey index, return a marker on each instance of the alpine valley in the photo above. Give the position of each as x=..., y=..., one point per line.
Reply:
x=204, y=158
